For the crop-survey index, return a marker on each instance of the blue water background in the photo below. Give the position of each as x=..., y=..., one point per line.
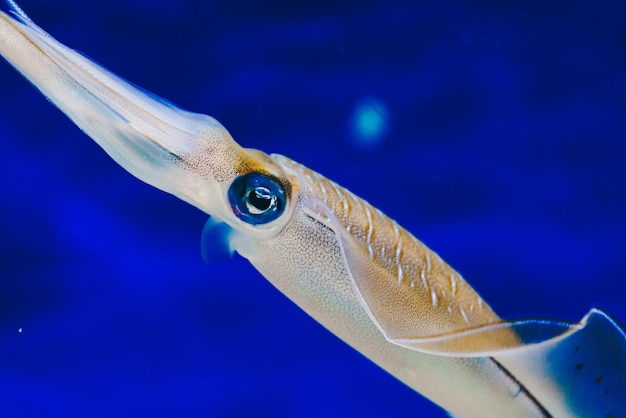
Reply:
x=503, y=149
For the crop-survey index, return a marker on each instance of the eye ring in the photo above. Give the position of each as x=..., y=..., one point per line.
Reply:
x=257, y=198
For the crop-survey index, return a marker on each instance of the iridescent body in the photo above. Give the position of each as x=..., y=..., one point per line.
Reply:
x=341, y=260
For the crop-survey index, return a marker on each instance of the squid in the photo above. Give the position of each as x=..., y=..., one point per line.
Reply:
x=341, y=260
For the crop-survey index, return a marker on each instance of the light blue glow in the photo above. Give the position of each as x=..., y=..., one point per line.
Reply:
x=369, y=124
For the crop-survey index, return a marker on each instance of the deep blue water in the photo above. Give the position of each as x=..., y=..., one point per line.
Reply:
x=503, y=148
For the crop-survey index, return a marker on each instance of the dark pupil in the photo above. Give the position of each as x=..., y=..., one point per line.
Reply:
x=260, y=198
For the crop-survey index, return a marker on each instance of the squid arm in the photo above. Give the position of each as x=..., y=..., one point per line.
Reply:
x=344, y=262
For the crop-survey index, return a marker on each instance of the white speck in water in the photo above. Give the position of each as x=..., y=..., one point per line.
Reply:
x=19, y=330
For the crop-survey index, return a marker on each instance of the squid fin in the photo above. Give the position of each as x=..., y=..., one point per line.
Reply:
x=216, y=243
x=407, y=316
x=587, y=368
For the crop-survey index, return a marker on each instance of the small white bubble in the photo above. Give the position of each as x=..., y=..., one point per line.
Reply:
x=19, y=330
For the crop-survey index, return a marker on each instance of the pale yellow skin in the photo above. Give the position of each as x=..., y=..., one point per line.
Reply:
x=345, y=263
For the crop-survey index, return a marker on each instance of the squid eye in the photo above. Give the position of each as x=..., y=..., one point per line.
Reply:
x=256, y=198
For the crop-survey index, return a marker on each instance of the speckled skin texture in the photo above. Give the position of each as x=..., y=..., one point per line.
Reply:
x=304, y=261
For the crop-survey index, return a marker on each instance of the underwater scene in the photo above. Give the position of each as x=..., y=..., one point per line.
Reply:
x=495, y=132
